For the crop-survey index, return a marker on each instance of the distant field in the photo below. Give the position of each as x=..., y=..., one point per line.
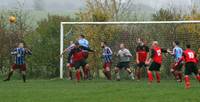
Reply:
x=97, y=91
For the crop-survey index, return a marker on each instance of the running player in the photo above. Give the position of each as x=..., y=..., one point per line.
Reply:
x=156, y=58
x=107, y=60
x=20, y=53
x=176, y=69
x=124, y=62
x=142, y=53
x=190, y=59
x=69, y=65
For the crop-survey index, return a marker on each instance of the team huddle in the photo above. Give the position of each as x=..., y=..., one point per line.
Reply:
x=149, y=58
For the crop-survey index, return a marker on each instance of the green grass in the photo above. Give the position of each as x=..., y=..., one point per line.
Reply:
x=97, y=91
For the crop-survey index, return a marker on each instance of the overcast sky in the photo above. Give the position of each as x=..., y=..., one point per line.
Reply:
x=72, y=5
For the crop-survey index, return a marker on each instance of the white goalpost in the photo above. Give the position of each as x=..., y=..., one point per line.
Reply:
x=109, y=23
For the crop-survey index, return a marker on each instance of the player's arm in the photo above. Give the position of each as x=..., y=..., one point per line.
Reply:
x=14, y=52
x=147, y=50
x=70, y=55
x=87, y=48
x=163, y=50
x=171, y=52
x=151, y=56
x=137, y=55
x=28, y=51
x=64, y=52
x=127, y=53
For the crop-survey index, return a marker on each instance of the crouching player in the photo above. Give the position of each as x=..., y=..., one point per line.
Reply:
x=142, y=53
x=124, y=62
x=190, y=58
x=20, y=53
x=107, y=60
x=78, y=59
x=176, y=69
x=156, y=58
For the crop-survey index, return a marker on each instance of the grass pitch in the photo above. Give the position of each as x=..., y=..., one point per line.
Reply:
x=97, y=91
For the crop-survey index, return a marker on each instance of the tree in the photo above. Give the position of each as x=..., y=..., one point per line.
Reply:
x=45, y=44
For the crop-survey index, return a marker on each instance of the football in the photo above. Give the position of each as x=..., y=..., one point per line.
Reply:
x=12, y=19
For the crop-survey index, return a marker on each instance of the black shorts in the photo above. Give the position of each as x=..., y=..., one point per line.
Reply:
x=125, y=65
x=190, y=68
x=79, y=64
x=155, y=66
x=141, y=64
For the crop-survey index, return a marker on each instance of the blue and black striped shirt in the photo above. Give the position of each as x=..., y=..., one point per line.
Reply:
x=20, y=54
x=107, y=55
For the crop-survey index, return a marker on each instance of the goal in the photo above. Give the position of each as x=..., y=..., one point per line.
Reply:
x=127, y=32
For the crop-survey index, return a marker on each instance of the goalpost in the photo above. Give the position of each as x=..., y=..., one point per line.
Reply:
x=109, y=23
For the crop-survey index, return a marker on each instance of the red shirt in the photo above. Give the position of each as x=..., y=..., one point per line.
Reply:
x=190, y=56
x=157, y=55
x=142, y=53
x=76, y=54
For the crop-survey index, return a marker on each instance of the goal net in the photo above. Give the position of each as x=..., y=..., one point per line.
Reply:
x=114, y=33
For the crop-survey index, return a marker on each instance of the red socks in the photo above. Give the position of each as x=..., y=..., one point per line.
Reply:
x=198, y=77
x=187, y=82
x=158, y=77
x=150, y=76
x=78, y=75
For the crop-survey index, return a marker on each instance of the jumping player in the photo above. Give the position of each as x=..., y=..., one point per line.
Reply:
x=78, y=60
x=69, y=65
x=124, y=62
x=176, y=69
x=84, y=45
x=142, y=53
x=156, y=58
x=190, y=58
x=20, y=53
x=107, y=60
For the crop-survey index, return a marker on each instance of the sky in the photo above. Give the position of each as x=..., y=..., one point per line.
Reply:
x=73, y=5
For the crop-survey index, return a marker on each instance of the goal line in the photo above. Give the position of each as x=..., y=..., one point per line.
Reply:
x=110, y=23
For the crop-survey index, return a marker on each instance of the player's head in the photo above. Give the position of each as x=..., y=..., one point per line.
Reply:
x=154, y=43
x=176, y=43
x=21, y=45
x=71, y=42
x=76, y=44
x=188, y=46
x=122, y=46
x=139, y=40
x=81, y=36
x=103, y=44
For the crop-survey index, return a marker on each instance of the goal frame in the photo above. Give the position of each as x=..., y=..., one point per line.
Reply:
x=110, y=23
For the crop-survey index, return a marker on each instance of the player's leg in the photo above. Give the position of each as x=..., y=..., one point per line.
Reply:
x=69, y=72
x=179, y=72
x=188, y=70
x=138, y=71
x=13, y=68
x=77, y=66
x=196, y=73
x=126, y=65
x=23, y=72
x=173, y=71
x=86, y=69
x=149, y=72
x=157, y=70
x=107, y=71
x=117, y=72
